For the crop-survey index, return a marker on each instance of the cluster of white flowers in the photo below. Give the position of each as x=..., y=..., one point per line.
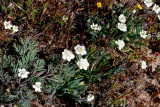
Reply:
x=96, y=27
x=155, y=8
x=7, y=25
x=24, y=74
x=122, y=26
x=80, y=50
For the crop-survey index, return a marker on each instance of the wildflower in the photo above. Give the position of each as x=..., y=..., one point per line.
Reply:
x=139, y=6
x=90, y=97
x=37, y=86
x=23, y=73
x=7, y=25
x=156, y=8
x=94, y=26
x=15, y=28
x=143, y=34
x=134, y=11
x=67, y=55
x=143, y=65
x=83, y=64
x=99, y=28
x=122, y=18
x=120, y=44
x=149, y=18
x=99, y=5
x=148, y=3
x=65, y=18
x=122, y=27
x=102, y=22
x=81, y=50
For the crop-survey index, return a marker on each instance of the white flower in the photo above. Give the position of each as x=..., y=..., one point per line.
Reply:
x=23, y=73
x=143, y=65
x=156, y=8
x=99, y=28
x=65, y=18
x=90, y=97
x=83, y=64
x=122, y=18
x=148, y=3
x=7, y=25
x=37, y=86
x=81, y=50
x=15, y=28
x=67, y=55
x=159, y=17
x=143, y=34
x=122, y=27
x=134, y=11
x=94, y=26
x=120, y=44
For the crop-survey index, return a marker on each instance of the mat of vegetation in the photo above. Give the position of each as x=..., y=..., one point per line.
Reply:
x=79, y=53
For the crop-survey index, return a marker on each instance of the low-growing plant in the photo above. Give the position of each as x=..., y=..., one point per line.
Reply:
x=24, y=74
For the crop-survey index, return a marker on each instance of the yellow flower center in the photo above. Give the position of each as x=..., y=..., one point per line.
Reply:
x=80, y=49
x=7, y=25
